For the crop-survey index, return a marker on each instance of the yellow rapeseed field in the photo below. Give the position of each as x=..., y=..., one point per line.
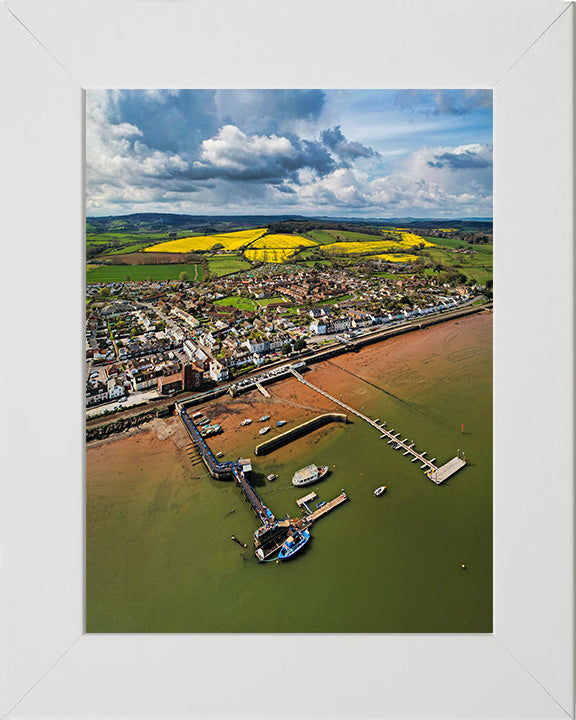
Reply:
x=270, y=255
x=396, y=258
x=276, y=248
x=282, y=242
x=230, y=241
x=409, y=239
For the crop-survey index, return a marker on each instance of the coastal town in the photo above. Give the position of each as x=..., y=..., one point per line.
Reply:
x=288, y=361
x=146, y=340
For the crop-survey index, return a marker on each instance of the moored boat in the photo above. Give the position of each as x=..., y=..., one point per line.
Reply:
x=380, y=490
x=264, y=418
x=309, y=474
x=264, y=430
x=246, y=421
x=279, y=423
x=293, y=543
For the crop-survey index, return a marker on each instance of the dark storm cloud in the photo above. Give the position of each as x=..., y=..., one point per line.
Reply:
x=467, y=160
x=234, y=155
x=347, y=150
x=173, y=121
x=268, y=111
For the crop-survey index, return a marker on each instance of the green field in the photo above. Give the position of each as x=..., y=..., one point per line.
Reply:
x=268, y=301
x=119, y=273
x=476, y=267
x=334, y=300
x=237, y=302
x=319, y=236
x=313, y=263
x=348, y=235
x=126, y=249
x=226, y=264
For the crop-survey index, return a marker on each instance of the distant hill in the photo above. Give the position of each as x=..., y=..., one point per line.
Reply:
x=169, y=222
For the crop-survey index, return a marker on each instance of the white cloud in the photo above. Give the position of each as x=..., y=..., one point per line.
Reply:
x=440, y=181
x=232, y=149
x=117, y=158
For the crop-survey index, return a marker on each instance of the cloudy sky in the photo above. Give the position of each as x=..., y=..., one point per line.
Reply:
x=355, y=153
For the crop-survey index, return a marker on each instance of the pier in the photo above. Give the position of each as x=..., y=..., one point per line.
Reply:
x=262, y=389
x=305, y=500
x=436, y=474
x=238, y=470
x=319, y=512
x=271, y=535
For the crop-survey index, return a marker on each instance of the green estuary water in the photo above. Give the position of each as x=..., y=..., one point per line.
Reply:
x=159, y=554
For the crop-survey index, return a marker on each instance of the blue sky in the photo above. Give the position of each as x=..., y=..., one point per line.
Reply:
x=355, y=153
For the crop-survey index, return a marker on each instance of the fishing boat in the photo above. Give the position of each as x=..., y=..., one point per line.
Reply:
x=279, y=423
x=380, y=490
x=293, y=543
x=309, y=474
x=271, y=477
x=246, y=421
x=264, y=430
x=264, y=418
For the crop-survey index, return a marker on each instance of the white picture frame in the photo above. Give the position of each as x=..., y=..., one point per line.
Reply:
x=51, y=51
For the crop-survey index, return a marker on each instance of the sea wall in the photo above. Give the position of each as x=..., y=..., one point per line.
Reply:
x=119, y=425
x=298, y=431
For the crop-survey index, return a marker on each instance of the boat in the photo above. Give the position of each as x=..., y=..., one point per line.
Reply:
x=247, y=421
x=380, y=490
x=309, y=474
x=271, y=477
x=264, y=418
x=321, y=504
x=219, y=454
x=396, y=446
x=293, y=543
x=279, y=423
x=264, y=430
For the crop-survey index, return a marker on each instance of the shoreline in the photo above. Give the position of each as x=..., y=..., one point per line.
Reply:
x=395, y=367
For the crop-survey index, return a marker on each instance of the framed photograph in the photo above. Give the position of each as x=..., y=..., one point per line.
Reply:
x=60, y=658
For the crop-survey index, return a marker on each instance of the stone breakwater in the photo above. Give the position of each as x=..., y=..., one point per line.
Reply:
x=298, y=431
x=119, y=425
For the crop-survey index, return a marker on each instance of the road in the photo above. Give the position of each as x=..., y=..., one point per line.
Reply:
x=315, y=355
x=133, y=399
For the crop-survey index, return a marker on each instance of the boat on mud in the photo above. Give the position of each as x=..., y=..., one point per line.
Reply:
x=264, y=430
x=246, y=421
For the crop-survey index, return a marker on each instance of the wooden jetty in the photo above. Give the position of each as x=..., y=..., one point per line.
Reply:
x=319, y=512
x=306, y=499
x=444, y=472
x=437, y=475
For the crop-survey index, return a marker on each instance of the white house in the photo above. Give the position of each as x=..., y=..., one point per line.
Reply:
x=218, y=372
